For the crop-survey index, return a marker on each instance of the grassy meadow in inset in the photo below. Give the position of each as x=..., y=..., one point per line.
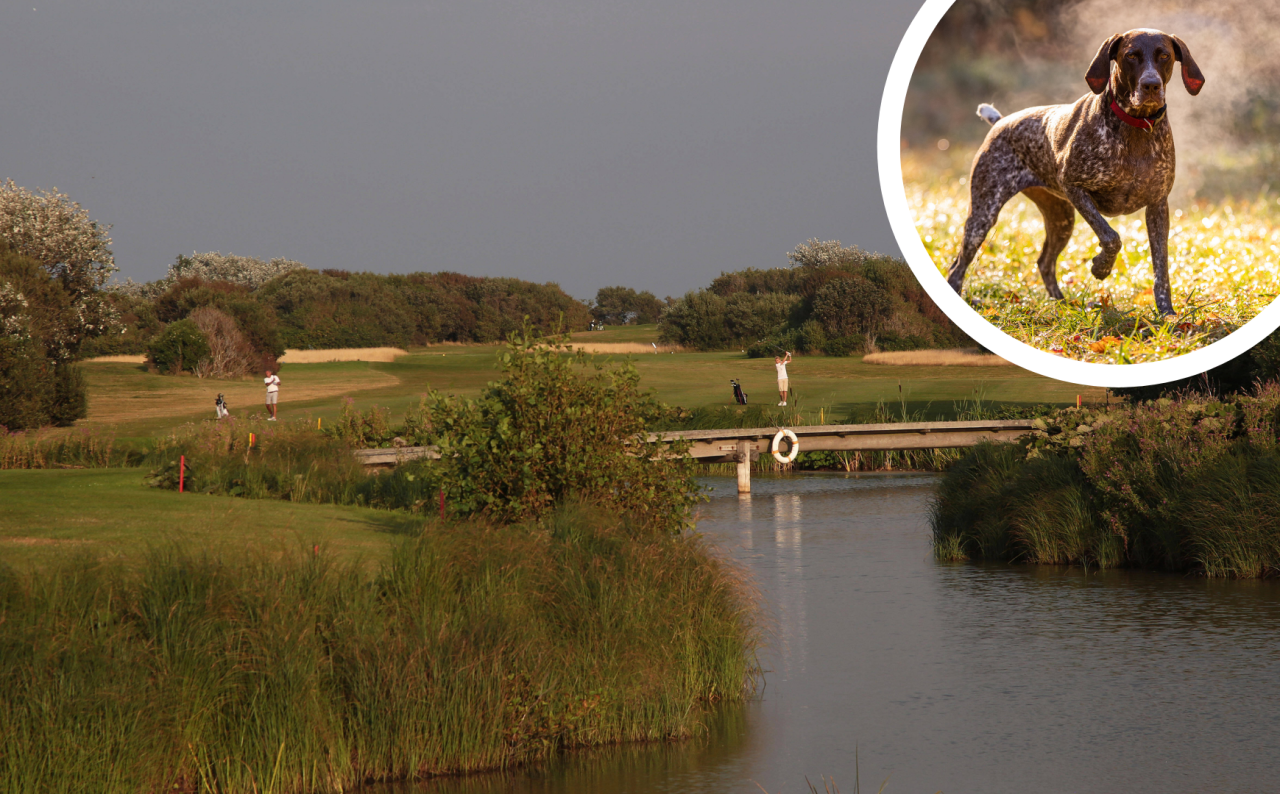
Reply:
x=1224, y=268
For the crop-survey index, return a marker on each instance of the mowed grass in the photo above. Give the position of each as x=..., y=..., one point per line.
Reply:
x=133, y=403
x=1224, y=268
x=110, y=515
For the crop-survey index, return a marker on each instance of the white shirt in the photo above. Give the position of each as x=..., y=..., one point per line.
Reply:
x=273, y=384
x=782, y=370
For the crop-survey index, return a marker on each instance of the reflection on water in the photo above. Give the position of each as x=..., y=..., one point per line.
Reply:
x=959, y=677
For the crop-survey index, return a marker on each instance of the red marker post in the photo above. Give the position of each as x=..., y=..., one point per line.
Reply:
x=182, y=471
x=442, y=504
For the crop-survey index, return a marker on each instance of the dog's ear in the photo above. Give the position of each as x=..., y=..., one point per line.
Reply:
x=1192, y=79
x=1099, y=73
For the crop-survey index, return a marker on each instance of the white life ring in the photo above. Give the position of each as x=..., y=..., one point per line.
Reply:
x=777, y=443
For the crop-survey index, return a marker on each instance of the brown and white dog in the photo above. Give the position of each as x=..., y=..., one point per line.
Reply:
x=1108, y=153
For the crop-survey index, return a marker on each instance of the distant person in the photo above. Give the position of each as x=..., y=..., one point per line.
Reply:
x=273, y=394
x=784, y=383
x=220, y=405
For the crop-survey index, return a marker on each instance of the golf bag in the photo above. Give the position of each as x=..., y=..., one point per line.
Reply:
x=220, y=405
x=739, y=396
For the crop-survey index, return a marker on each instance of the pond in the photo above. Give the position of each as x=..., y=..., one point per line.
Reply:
x=957, y=677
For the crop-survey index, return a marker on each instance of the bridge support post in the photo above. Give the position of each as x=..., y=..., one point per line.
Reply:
x=744, y=466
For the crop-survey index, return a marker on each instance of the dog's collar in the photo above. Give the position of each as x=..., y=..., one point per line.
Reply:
x=1146, y=124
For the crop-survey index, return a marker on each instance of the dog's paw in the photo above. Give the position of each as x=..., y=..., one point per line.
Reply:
x=1102, y=265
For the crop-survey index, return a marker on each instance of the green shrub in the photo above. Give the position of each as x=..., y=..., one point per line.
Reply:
x=889, y=341
x=547, y=432
x=179, y=349
x=850, y=305
x=370, y=428
x=41, y=329
x=844, y=345
x=623, y=305
x=70, y=395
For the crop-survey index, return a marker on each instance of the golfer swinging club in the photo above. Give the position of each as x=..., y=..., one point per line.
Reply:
x=273, y=393
x=783, y=381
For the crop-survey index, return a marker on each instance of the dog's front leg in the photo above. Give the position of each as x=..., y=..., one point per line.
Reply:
x=1158, y=236
x=1108, y=238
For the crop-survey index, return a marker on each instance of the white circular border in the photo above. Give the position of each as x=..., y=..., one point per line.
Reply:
x=961, y=313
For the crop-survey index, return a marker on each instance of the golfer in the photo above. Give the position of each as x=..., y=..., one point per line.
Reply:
x=273, y=393
x=783, y=381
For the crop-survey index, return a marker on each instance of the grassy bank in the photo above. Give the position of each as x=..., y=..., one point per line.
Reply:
x=112, y=516
x=473, y=647
x=1183, y=485
x=1222, y=270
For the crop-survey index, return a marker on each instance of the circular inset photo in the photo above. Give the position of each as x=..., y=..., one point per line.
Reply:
x=1091, y=190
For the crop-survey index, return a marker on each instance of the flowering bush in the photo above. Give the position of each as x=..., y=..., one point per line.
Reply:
x=56, y=232
x=246, y=271
x=50, y=229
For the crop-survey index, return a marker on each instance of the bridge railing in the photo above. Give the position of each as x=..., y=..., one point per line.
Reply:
x=725, y=446
x=721, y=446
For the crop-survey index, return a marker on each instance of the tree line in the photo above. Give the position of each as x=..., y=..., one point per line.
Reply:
x=832, y=299
x=219, y=315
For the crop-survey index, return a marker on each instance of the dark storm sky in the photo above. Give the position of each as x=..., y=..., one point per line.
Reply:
x=651, y=145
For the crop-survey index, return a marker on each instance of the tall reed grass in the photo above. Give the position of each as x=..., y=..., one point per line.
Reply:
x=476, y=647
x=82, y=449
x=1187, y=485
x=284, y=460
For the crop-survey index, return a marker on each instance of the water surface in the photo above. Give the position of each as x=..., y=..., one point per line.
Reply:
x=958, y=677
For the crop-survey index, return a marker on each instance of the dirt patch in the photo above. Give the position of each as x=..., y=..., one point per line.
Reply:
x=385, y=354
x=623, y=348
x=964, y=357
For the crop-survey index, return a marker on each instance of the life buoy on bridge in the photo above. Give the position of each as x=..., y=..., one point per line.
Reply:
x=777, y=444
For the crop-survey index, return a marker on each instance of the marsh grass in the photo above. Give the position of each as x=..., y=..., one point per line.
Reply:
x=1185, y=485
x=80, y=449
x=476, y=647
x=1224, y=269
x=285, y=460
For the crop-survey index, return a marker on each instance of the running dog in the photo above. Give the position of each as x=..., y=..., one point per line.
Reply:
x=1108, y=153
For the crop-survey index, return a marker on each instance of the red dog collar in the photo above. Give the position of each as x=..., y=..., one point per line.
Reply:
x=1146, y=124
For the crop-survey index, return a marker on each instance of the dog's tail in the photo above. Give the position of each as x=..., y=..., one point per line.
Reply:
x=989, y=114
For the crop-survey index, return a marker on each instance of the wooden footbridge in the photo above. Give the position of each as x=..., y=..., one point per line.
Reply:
x=744, y=445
